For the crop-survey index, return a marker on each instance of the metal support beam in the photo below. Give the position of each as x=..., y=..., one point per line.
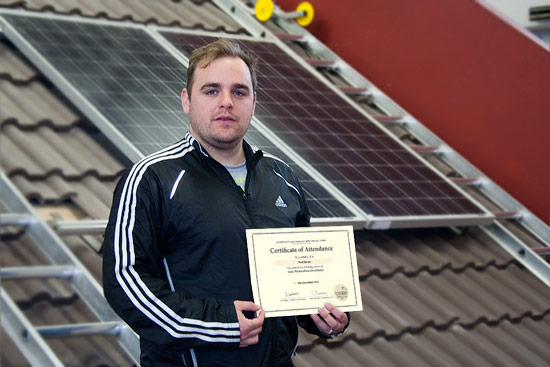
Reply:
x=508, y=215
x=84, y=329
x=428, y=149
x=467, y=181
x=542, y=250
x=321, y=63
x=68, y=227
x=28, y=272
x=24, y=335
x=352, y=90
x=291, y=14
x=525, y=255
x=15, y=220
x=290, y=37
x=390, y=119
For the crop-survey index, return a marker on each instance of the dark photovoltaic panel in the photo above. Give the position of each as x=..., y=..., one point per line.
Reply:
x=375, y=171
x=136, y=84
x=121, y=71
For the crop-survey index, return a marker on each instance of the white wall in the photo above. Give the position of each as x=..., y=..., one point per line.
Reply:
x=517, y=11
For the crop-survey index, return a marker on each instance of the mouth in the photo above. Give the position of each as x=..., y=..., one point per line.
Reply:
x=225, y=118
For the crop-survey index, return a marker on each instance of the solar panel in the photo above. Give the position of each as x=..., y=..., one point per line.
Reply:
x=130, y=85
x=121, y=71
x=372, y=168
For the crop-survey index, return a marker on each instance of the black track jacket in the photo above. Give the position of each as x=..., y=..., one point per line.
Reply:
x=175, y=255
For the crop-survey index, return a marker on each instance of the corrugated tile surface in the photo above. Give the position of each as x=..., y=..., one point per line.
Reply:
x=522, y=343
x=431, y=297
x=16, y=100
x=54, y=152
x=181, y=13
x=13, y=67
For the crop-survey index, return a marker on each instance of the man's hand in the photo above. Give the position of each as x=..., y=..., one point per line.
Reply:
x=330, y=320
x=250, y=328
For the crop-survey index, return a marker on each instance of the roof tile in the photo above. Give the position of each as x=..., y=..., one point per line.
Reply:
x=43, y=151
x=53, y=190
x=32, y=104
x=186, y=14
x=13, y=68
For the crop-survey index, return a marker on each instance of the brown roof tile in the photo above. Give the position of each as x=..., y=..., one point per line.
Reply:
x=32, y=104
x=506, y=343
x=92, y=196
x=13, y=68
x=52, y=190
x=410, y=251
x=71, y=153
x=186, y=14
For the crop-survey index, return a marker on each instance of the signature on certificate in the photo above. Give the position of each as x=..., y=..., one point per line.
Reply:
x=318, y=293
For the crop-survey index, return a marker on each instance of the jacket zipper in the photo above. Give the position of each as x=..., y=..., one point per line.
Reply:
x=246, y=193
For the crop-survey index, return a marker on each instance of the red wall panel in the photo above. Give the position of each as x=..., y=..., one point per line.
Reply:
x=475, y=81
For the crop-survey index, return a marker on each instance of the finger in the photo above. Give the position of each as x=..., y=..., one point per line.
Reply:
x=336, y=326
x=253, y=325
x=336, y=319
x=246, y=306
x=337, y=314
x=321, y=324
x=249, y=341
x=327, y=318
x=250, y=334
x=258, y=319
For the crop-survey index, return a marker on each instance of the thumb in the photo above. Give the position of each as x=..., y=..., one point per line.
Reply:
x=246, y=306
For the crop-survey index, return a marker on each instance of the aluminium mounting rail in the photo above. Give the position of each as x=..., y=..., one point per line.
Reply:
x=536, y=264
x=63, y=264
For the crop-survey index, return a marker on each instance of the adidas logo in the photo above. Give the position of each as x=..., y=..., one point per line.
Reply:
x=280, y=202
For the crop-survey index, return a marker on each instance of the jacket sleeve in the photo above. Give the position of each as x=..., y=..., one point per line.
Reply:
x=135, y=282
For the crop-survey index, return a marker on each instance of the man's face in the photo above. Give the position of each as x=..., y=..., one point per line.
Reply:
x=222, y=103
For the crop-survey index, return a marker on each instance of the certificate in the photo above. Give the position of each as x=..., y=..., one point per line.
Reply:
x=294, y=271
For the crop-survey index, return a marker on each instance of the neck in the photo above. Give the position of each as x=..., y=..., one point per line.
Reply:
x=228, y=156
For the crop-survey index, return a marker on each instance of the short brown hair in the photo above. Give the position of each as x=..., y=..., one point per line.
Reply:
x=202, y=57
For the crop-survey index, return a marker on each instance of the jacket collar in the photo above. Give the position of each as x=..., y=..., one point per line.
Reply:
x=251, y=153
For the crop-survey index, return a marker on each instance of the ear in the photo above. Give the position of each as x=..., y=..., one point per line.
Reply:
x=254, y=104
x=185, y=100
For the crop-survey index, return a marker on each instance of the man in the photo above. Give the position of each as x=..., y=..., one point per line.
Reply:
x=175, y=255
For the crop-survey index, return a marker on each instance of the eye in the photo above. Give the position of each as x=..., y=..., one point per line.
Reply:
x=240, y=93
x=211, y=92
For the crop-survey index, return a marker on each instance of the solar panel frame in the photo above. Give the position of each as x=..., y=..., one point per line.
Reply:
x=318, y=204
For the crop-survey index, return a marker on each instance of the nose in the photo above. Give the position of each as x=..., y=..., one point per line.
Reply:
x=226, y=100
